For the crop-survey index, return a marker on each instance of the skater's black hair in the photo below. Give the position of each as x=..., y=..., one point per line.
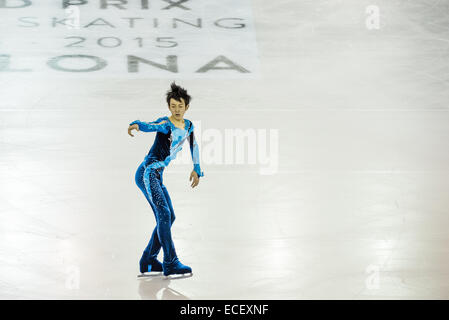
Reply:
x=177, y=93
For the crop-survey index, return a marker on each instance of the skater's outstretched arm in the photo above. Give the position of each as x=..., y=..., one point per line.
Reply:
x=195, y=153
x=158, y=125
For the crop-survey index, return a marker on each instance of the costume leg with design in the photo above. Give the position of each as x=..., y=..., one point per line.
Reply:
x=146, y=262
x=159, y=199
x=153, y=185
x=154, y=244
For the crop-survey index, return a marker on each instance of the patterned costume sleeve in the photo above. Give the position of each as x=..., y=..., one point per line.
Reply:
x=195, y=152
x=160, y=125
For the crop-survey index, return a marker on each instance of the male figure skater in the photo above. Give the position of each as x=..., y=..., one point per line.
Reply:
x=171, y=133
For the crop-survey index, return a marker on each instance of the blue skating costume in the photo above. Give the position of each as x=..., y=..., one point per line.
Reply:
x=149, y=178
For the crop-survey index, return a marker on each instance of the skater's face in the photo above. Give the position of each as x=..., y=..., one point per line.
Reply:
x=177, y=108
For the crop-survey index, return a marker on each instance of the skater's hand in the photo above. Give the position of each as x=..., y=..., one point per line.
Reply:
x=134, y=126
x=195, y=178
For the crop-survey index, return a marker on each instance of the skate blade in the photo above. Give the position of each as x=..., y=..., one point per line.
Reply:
x=178, y=276
x=149, y=275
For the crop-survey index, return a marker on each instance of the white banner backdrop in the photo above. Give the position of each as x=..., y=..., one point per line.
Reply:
x=133, y=38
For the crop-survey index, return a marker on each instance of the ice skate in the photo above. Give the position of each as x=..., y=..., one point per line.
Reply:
x=176, y=269
x=149, y=268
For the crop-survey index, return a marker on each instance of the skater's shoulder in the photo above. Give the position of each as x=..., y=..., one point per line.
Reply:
x=189, y=125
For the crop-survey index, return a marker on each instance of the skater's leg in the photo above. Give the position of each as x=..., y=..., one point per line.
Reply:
x=176, y=267
x=153, y=185
x=154, y=245
x=169, y=267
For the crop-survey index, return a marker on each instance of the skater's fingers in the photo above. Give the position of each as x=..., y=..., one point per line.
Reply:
x=194, y=176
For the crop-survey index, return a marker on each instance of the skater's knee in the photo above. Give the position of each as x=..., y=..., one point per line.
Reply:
x=165, y=219
x=164, y=215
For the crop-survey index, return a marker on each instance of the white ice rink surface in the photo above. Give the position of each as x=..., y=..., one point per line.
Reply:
x=357, y=207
